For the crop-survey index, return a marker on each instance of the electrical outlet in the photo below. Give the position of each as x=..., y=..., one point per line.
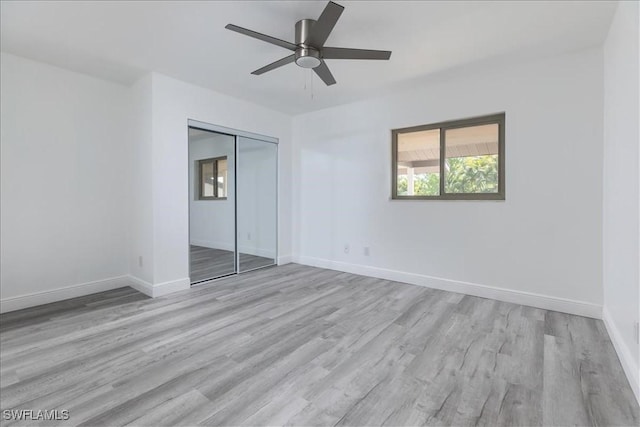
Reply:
x=140, y=261
x=637, y=332
x=248, y=236
x=366, y=251
x=346, y=248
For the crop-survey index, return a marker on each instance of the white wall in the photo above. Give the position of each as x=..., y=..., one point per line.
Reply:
x=112, y=162
x=212, y=222
x=64, y=169
x=140, y=224
x=545, y=239
x=174, y=103
x=621, y=214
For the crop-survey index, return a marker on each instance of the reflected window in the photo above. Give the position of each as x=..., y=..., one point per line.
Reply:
x=212, y=178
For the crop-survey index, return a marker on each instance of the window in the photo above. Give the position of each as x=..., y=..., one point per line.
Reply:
x=461, y=159
x=212, y=179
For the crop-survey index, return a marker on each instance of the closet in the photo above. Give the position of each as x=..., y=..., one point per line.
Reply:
x=232, y=201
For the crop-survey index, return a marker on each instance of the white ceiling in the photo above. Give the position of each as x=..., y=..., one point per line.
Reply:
x=122, y=40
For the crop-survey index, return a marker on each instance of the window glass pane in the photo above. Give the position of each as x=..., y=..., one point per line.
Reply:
x=207, y=179
x=419, y=163
x=222, y=178
x=471, y=160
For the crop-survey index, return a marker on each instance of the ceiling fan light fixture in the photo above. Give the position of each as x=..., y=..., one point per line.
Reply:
x=309, y=50
x=308, y=58
x=308, y=62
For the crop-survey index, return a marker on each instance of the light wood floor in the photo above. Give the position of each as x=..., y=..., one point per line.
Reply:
x=305, y=346
x=209, y=263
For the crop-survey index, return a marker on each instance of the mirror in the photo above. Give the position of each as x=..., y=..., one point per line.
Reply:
x=211, y=205
x=257, y=203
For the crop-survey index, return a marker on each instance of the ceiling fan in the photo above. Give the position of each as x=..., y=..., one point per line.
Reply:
x=309, y=49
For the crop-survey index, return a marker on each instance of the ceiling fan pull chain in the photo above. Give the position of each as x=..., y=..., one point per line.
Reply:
x=304, y=77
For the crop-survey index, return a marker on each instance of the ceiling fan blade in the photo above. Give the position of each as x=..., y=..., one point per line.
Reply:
x=279, y=63
x=323, y=72
x=346, y=53
x=323, y=26
x=260, y=36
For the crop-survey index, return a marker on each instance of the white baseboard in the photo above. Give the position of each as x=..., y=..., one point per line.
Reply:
x=164, y=288
x=631, y=369
x=580, y=308
x=67, y=292
x=285, y=259
x=141, y=285
x=159, y=289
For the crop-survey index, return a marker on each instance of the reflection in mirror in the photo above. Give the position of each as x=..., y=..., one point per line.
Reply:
x=212, y=182
x=211, y=205
x=206, y=179
x=257, y=203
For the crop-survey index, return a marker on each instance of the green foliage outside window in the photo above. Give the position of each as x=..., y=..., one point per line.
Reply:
x=472, y=174
x=427, y=184
x=477, y=174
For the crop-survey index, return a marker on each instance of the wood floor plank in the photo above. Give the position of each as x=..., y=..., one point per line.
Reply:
x=296, y=345
x=563, y=402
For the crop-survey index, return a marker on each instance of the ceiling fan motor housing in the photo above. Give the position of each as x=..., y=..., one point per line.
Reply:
x=306, y=56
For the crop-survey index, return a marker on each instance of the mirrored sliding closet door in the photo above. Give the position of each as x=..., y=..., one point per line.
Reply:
x=232, y=203
x=212, y=223
x=257, y=208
